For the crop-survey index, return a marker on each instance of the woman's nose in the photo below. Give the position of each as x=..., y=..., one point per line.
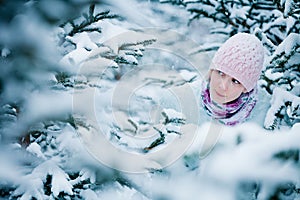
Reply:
x=225, y=83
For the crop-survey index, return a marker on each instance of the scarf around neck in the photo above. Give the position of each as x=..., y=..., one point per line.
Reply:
x=231, y=113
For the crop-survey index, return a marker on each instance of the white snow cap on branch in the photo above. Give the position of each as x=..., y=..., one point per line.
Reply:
x=279, y=98
x=287, y=45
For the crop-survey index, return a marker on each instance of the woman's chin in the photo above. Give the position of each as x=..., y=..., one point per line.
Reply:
x=218, y=100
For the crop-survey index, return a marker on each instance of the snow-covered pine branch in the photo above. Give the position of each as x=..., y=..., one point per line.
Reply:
x=267, y=43
x=283, y=65
x=240, y=16
x=249, y=155
x=109, y=52
x=32, y=185
x=35, y=90
x=276, y=20
x=285, y=109
x=89, y=19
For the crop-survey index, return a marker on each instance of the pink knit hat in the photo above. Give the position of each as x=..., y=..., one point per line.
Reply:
x=241, y=57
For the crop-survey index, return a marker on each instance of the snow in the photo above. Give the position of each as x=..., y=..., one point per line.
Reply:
x=41, y=104
x=31, y=185
x=221, y=161
x=104, y=147
x=250, y=148
x=89, y=194
x=288, y=6
x=240, y=12
x=172, y=114
x=60, y=182
x=109, y=31
x=32, y=189
x=34, y=148
x=74, y=58
x=273, y=76
x=129, y=58
x=290, y=42
x=291, y=22
x=279, y=99
x=82, y=41
x=119, y=192
x=5, y=52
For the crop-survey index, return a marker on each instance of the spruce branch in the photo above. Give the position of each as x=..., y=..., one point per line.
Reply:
x=90, y=18
x=156, y=142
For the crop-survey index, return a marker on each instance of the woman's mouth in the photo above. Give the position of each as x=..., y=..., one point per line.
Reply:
x=220, y=95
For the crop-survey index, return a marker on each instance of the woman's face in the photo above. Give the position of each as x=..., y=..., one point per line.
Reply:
x=224, y=88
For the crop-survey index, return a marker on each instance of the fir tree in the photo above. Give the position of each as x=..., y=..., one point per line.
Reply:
x=37, y=124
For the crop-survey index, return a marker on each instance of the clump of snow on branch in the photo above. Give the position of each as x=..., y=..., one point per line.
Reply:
x=285, y=104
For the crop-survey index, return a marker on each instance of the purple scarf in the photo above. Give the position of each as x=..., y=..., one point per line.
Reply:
x=231, y=113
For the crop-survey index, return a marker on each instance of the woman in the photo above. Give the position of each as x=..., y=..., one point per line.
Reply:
x=230, y=93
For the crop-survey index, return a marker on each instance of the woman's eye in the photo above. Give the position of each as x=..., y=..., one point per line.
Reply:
x=235, y=81
x=221, y=73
